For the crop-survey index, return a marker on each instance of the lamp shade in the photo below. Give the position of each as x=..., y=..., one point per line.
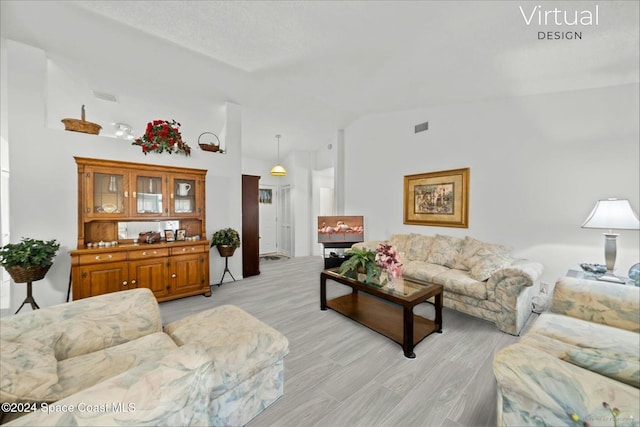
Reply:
x=278, y=170
x=612, y=214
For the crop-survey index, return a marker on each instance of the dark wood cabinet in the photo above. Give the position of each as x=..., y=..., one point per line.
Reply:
x=250, y=226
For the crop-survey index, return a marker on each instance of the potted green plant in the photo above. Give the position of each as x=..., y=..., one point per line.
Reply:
x=361, y=261
x=28, y=260
x=226, y=240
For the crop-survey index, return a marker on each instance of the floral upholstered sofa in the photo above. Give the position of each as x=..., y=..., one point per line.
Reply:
x=579, y=363
x=480, y=279
x=107, y=361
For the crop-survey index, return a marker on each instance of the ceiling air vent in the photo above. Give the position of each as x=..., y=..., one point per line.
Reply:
x=422, y=127
x=105, y=96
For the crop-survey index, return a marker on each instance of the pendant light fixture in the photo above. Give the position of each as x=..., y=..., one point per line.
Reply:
x=278, y=170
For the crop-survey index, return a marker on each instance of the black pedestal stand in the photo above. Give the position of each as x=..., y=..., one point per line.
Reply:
x=226, y=269
x=29, y=299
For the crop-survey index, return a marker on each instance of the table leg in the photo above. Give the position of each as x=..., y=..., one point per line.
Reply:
x=439, y=312
x=407, y=340
x=323, y=292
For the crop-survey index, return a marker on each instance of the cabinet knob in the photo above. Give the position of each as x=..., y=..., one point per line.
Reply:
x=125, y=283
x=100, y=258
x=173, y=276
x=126, y=194
x=133, y=282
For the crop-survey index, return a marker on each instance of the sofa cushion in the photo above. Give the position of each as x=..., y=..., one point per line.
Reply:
x=470, y=246
x=418, y=247
x=621, y=367
x=421, y=270
x=29, y=370
x=571, y=333
x=460, y=282
x=484, y=263
x=601, y=302
x=80, y=372
x=444, y=250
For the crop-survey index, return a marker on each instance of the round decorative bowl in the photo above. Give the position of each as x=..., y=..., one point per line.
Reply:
x=594, y=268
x=634, y=274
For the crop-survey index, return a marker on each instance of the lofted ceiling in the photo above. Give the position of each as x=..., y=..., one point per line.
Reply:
x=305, y=69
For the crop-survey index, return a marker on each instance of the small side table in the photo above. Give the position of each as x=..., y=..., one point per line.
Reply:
x=580, y=274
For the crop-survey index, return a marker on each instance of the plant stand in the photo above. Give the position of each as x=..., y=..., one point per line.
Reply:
x=29, y=299
x=226, y=269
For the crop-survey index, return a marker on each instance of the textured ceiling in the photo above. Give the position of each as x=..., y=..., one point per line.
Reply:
x=307, y=68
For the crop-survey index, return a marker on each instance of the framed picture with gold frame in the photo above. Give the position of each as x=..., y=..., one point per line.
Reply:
x=437, y=198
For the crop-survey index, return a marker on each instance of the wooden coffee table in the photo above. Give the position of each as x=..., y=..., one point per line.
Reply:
x=369, y=305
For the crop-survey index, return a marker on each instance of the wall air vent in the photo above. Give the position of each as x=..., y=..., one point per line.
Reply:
x=422, y=127
x=105, y=96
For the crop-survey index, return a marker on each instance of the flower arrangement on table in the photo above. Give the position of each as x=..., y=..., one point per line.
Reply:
x=388, y=259
x=163, y=135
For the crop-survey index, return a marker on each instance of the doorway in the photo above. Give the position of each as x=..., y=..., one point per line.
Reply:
x=285, y=226
x=268, y=198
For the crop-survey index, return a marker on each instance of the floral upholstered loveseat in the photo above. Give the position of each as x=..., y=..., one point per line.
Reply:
x=480, y=279
x=578, y=363
x=107, y=361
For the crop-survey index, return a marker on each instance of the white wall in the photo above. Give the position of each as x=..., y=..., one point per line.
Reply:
x=538, y=164
x=43, y=187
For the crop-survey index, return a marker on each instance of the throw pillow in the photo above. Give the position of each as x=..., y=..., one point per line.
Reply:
x=484, y=263
x=29, y=371
x=399, y=241
x=418, y=247
x=444, y=250
x=620, y=367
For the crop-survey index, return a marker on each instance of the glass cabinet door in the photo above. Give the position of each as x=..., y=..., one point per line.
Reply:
x=148, y=195
x=108, y=194
x=184, y=196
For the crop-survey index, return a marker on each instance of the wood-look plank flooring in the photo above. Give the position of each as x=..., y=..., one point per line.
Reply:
x=340, y=373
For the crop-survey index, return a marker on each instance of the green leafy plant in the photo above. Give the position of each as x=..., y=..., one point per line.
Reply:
x=226, y=237
x=29, y=253
x=163, y=135
x=361, y=260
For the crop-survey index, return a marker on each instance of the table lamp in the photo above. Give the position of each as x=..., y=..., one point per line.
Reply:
x=612, y=214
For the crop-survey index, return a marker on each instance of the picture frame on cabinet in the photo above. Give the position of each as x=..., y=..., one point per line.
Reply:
x=169, y=235
x=181, y=234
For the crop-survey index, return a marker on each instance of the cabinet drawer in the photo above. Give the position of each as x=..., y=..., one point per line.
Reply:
x=149, y=253
x=195, y=249
x=102, y=257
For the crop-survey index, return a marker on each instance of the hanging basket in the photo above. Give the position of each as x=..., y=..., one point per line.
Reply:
x=209, y=146
x=21, y=275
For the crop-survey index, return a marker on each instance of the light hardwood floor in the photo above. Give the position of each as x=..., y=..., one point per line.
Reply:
x=339, y=373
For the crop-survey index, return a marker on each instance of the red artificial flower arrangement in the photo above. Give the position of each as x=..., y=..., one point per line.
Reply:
x=163, y=135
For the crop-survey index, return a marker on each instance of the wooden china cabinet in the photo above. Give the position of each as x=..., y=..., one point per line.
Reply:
x=114, y=197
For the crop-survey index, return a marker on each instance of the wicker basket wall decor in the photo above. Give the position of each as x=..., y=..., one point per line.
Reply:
x=81, y=125
x=210, y=146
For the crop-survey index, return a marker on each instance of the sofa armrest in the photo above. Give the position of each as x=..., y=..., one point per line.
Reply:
x=506, y=284
x=599, y=302
x=537, y=388
x=90, y=324
x=175, y=390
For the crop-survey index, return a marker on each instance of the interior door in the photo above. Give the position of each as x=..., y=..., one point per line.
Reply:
x=250, y=226
x=285, y=215
x=267, y=197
